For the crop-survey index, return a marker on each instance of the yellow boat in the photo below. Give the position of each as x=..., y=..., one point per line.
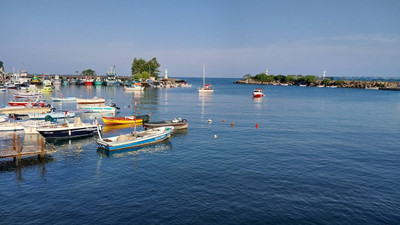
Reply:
x=122, y=120
x=47, y=89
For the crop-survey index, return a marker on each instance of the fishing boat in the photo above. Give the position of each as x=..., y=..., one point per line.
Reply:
x=51, y=116
x=134, y=139
x=36, y=80
x=111, y=79
x=10, y=126
x=89, y=81
x=57, y=80
x=138, y=120
x=206, y=87
x=258, y=93
x=29, y=103
x=65, y=99
x=94, y=100
x=70, y=130
x=176, y=123
x=98, y=81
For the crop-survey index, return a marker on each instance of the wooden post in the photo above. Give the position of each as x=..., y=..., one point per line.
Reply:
x=14, y=141
x=19, y=148
x=42, y=149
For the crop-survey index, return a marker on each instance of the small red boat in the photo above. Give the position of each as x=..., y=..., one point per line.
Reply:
x=27, y=103
x=257, y=93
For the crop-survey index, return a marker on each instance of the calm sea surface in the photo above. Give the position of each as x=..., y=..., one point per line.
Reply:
x=319, y=156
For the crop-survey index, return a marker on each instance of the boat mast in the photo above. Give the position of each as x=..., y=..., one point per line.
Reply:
x=204, y=75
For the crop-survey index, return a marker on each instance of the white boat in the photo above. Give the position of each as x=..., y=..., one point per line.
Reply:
x=101, y=109
x=24, y=94
x=57, y=80
x=3, y=118
x=94, y=100
x=50, y=116
x=134, y=88
x=258, y=93
x=206, y=87
x=11, y=126
x=134, y=139
x=30, y=126
x=65, y=99
x=372, y=88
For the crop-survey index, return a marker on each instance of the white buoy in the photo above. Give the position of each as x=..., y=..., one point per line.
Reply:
x=209, y=121
x=215, y=136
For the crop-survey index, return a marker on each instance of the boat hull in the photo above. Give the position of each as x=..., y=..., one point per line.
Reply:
x=49, y=133
x=125, y=120
x=112, y=146
x=176, y=125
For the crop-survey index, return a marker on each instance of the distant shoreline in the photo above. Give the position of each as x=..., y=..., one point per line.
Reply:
x=381, y=85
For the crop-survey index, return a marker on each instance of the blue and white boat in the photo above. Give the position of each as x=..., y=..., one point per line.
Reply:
x=70, y=130
x=134, y=139
x=52, y=115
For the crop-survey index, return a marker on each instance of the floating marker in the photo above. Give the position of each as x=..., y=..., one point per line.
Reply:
x=209, y=121
x=215, y=136
x=256, y=125
x=223, y=121
x=232, y=124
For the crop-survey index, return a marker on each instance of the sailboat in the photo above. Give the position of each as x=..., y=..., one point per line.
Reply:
x=206, y=87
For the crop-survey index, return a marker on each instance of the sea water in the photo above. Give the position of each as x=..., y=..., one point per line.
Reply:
x=318, y=156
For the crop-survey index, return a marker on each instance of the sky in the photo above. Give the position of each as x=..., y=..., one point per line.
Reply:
x=231, y=37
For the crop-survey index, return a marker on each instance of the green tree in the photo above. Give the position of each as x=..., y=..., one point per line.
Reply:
x=88, y=72
x=290, y=78
x=339, y=83
x=247, y=76
x=139, y=66
x=280, y=78
x=310, y=79
x=270, y=78
x=300, y=79
x=326, y=81
x=1, y=65
x=261, y=77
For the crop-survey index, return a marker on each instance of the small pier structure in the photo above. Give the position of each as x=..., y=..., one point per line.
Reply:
x=17, y=151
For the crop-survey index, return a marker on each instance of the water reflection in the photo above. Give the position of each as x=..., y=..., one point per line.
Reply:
x=204, y=98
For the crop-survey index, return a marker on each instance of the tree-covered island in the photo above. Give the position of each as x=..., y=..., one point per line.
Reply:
x=313, y=81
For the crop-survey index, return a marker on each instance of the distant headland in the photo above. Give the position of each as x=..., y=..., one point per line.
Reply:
x=315, y=81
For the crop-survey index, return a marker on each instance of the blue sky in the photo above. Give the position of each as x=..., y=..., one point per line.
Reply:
x=233, y=38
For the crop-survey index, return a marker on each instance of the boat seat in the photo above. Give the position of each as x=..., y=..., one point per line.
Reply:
x=124, y=137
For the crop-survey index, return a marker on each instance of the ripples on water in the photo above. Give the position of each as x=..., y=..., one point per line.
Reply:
x=319, y=155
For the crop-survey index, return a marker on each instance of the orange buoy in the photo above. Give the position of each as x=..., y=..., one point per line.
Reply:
x=232, y=124
x=223, y=121
x=256, y=125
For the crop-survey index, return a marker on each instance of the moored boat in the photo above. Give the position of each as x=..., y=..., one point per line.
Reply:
x=138, y=120
x=27, y=103
x=65, y=99
x=24, y=110
x=176, y=123
x=11, y=126
x=47, y=89
x=258, y=93
x=206, y=87
x=94, y=100
x=134, y=87
x=28, y=95
x=50, y=116
x=135, y=139
x=70, y=130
